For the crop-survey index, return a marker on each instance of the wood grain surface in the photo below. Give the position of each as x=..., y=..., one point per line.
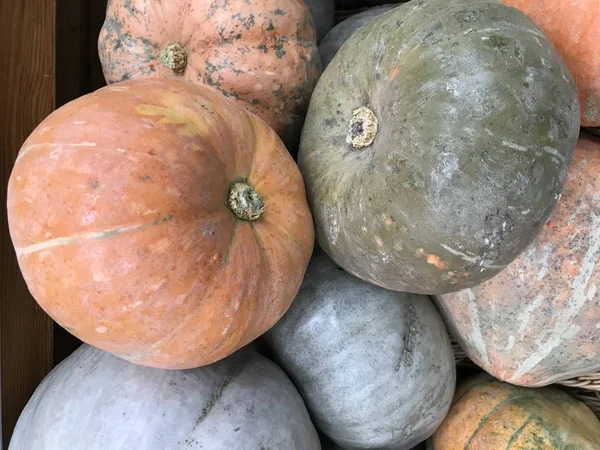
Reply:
x=26, y=98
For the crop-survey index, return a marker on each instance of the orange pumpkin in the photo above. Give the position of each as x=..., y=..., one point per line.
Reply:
x=159, y=221
x=262, y=53
x=574, y=28
x=488, y=415
x=536, y=322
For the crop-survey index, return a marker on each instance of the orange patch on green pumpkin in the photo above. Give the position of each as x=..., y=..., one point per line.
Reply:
x=434, y=260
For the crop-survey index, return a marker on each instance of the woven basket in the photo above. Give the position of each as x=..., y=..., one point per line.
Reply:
x=585, y=388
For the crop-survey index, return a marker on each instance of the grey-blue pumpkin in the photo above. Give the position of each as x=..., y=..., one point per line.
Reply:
x=375, y=367
x=96, y=401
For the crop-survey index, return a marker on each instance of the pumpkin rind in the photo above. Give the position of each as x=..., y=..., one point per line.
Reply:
x=574, y=28
x=536, y=322
x=375, y=367
x=94, y=401
x=262, y=53
x=118, y=210
x=478, y=120
x=488, y=414
x=339, y=34
x=323, y=13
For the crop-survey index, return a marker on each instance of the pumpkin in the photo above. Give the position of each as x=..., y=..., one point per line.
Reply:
x=574, y=28
x=323, y=12
x=536, y=322
x=375, y=367
x=339, y=34
x=488, y=414
x=159, y=221
x=242, y=402
x=262, y=53
x=352, y=4
x=436, y=144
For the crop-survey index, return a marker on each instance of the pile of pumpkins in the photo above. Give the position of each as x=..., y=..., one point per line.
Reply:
x=168, y=220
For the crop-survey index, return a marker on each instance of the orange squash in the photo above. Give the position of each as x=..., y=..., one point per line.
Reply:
x=159, y=221
x=536, y=322
x=574, y=28
x=488, y=415
x=262, y=53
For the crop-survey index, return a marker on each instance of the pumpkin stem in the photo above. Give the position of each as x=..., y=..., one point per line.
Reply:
x=173, y=57
x=245, y=202
x=363, y=128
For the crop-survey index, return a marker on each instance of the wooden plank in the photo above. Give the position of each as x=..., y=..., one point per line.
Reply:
x=97, y=14
x=26, y=98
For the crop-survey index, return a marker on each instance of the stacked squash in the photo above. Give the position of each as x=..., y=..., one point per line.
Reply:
x=164, y=221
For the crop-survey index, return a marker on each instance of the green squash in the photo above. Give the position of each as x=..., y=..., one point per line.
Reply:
x=436, y=144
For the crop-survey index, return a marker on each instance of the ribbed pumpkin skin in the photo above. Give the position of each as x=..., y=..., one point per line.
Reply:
x=488, y=415
x=118, y=209
x=478, y=118
x=573, y=26
x=536, y=322
x=94, y=401
x=262, y=53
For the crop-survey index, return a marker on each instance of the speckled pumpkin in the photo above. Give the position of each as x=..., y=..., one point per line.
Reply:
x=573, y=26
x=323, y=12
x=374, y=366
x=262, y=53
x=159, y=221
x=94, y=401
x=537, y=321
x=339, y=34
x=436, y=144
x=488, y=415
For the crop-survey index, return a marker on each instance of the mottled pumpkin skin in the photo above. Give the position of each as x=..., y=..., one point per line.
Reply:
x=339, y=34
x=323, y=12
x=478, y=120
x=573, y=26
x=118, y=210
x=537, y=321
x=263, y=53
x=487, y=414
x=374, y=366
x=94, y=401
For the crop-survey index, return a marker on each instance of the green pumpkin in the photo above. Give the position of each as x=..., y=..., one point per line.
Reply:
x=436, y=144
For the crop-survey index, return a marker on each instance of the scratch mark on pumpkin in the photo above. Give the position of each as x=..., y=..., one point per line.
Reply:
x=554, y=152
x=514, y=146
x=101, y=330
x=55, y=145
x=476, y=335
x=564, y=329
x=77, y=238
